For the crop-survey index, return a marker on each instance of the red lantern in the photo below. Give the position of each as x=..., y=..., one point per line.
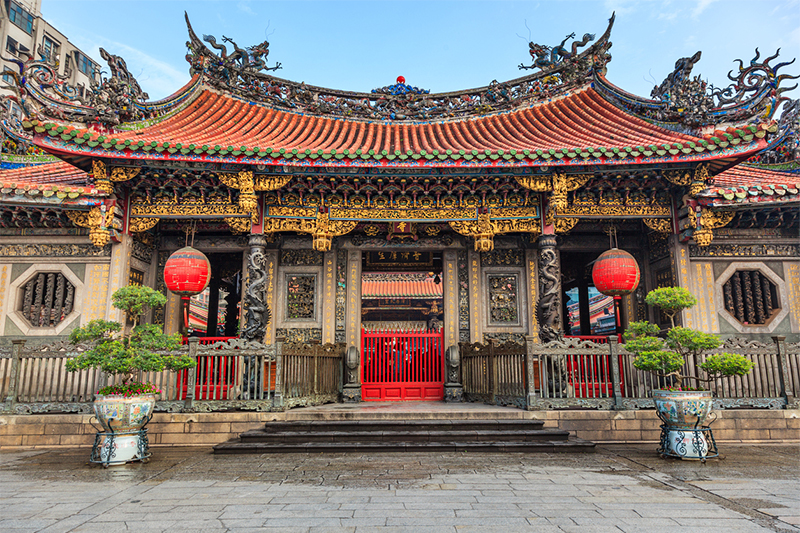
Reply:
x=615, y=273
x=187, y=272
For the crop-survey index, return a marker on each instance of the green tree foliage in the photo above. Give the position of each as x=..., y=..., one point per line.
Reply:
x=671, y=300
x=666, y=357
x=145, y=348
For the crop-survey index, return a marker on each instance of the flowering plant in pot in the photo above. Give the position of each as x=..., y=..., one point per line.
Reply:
x=125, y=406
x=683, y=408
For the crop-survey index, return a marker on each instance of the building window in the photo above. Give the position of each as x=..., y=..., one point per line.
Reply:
x=300, y=289
x=50, y=50
x=47, y=298
x=85, y=64
x=12, y=46
x=20, y=17
x=751, y=297
x=7, y=76
x=503, y=299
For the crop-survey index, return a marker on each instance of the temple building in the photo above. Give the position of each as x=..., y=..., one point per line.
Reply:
x=327, y=214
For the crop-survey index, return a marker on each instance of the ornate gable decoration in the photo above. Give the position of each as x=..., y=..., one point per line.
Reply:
x=754, y=95
x=107, y=100
x=242, y=72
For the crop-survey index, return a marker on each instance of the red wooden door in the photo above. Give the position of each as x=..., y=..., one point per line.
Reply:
x=400, y=365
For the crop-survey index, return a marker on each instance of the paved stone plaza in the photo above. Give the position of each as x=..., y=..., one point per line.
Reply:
x=620, y=488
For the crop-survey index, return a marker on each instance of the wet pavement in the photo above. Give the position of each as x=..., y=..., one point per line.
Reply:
x=620, y=488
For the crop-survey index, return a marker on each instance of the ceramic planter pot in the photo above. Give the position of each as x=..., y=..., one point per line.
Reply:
x=683, y=409
x=118, y=413
x=122, y=418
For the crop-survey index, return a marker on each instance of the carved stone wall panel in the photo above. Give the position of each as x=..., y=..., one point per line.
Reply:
x=301, y=258
x=504, y=308
x=54, y=250
x=497, y=257
x=745, y=250
x=299, y=335
x=504, y=338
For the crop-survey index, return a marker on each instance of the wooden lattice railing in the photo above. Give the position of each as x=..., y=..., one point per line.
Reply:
x=230, y=374
x=575, y=372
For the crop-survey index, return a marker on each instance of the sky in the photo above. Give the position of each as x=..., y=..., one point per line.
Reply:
x=435, y=45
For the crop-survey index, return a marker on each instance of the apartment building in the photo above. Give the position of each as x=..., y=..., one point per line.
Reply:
x=23, y=30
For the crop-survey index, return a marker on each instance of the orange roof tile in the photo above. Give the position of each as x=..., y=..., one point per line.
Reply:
x=754, y=184
x=416, y=289
x=582, y=124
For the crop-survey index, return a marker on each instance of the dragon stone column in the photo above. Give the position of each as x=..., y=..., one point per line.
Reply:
x=549, y=305
x=258, y=312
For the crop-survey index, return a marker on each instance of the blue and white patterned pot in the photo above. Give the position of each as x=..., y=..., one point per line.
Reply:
x=683, y=409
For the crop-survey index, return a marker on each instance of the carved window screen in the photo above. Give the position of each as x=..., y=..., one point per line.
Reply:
x=751, y=297
x=47, y=298
x=503, y=299
x=300, y=296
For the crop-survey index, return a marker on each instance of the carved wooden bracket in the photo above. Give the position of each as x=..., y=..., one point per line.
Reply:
x=97, y=220
x=661, y=225
x=706, y=221
x=138, y=225
x=323, y=229
x=101, y=181
x=124, y=173
x=484, y=229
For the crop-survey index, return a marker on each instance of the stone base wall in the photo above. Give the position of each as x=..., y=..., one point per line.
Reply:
x=206, y=429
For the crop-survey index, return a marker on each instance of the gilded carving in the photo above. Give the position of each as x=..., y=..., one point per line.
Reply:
x=700, y=180
x=97, y=222
x=745, y=250
x=171, y=209
x=535, y=183
x=657, y=210
x=323, y=229
x=709, y=220
x=138, y=225
x=401, y=214
x=271, y=183
x=124, y=174
x=562, y=184
x=485, y=228
x=101, y=181
x=678, y=177
x=660, y=225
x=563, y=225
x=238, y=225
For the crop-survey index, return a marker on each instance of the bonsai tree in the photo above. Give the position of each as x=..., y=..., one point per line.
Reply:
x=665, y=357
x=124, y=353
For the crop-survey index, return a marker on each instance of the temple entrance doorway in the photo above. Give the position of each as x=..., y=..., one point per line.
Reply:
x=215, y=311
x=402, y=315
x=587, y=313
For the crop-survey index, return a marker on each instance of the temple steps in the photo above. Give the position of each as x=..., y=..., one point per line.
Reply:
x=412, y=434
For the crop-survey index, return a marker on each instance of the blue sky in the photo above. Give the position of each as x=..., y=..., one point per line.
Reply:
x=440, y=46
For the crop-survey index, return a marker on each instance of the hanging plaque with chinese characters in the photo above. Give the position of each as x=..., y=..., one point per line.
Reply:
x=405, y=260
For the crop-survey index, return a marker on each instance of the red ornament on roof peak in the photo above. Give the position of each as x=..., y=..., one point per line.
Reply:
x=401, y=79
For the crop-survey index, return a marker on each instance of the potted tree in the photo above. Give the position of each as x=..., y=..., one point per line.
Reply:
x=126, y=405
x=682, y=407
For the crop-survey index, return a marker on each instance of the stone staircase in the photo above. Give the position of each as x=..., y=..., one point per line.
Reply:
x=365, y=431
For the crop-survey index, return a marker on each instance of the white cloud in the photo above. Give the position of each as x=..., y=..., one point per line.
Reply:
x=245, y=7
x=701, y=6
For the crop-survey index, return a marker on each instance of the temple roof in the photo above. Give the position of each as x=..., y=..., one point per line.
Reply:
x=578, y=128
x=47, y=185
x=748, y=185
x=404, y=286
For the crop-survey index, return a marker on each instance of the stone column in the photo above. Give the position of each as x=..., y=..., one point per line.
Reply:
x=257, y=312
x=119, y=274
x=549, y=307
